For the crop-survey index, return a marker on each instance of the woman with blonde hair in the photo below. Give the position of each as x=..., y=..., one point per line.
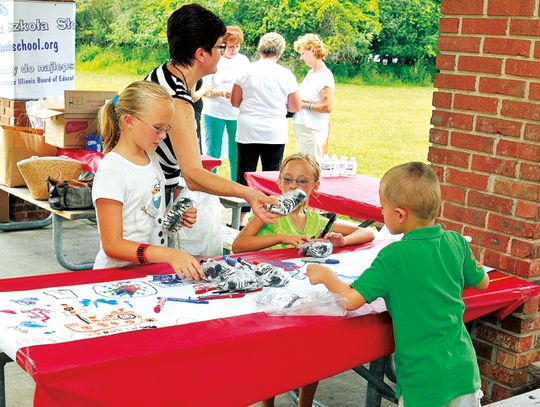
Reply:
x=311, y=123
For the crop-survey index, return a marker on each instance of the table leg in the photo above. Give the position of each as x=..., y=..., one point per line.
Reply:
x=4, y=359
x=235, y=219
x=57, y=242
x=376, y=385
x=26, y=225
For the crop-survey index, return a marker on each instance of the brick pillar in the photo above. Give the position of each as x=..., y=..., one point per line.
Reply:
x=485, y=148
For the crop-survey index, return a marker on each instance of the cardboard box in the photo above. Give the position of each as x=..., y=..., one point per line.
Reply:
x=37, y=42
x=68, y=126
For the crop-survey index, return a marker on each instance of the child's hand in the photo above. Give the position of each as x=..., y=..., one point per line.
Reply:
x=189, y=217
x=186, y=266
x=317, y=273
x=336, y=239
x=294, y=240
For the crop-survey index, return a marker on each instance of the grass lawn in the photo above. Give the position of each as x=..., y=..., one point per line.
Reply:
x=380, y=126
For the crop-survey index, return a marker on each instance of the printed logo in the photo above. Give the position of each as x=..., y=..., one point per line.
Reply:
x=3, y=10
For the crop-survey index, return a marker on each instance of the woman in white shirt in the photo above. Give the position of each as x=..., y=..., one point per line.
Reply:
x=264, y=94
x=311, y=123
x=218, y=113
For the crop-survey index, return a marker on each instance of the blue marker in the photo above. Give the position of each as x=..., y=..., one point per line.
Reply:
x=230, y=261
x=246, y=263
x=189, y=300
x=321, y=261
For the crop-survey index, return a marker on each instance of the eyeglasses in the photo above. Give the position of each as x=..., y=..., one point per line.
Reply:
x=301, y=182
x=157, y=130
x=221, y=48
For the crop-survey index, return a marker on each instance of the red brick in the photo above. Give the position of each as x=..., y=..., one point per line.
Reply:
x=448, y=25
x=505, y=340
x=502, y=86
x=530, y=171
x=510, y=7
x=450, y=119
x=522, y=110
x=529, y=307
x=462, y=7
x=475, y=103
x=437, y=136
x=537, y=49
x=448, y=225
x=452, y=194
x=507, y=46
x=528, y=210
x=496, y=259
x=459, y=44
x=495, y=26
x=521, y=325
x=518, y=149
x=472, y=142
x=483, y=350
x=467, y=179
x=494, y=165
x=463, y=214
x=450, y=81
x=526, y=27
x=515, y=189
x=534, y=91
x=490, y=202
x=448, y=157
x=480, y=64
x=500, y=392
x=510, y=377
x=532, y=132
x=445, y=62
x=498, y=126
x=487, y=239
x=529, y=69
x=439, y=171
x=514, y=227
x=442, y=99
x=524, y=248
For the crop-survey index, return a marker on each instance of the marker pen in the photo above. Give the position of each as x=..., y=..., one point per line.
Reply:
x=246, y=263
x=160, y=304
x=321, y=261
x=229, y=261
x=220, y=296
x=189, y=300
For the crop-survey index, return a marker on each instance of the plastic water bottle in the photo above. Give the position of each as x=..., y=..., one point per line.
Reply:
x=335, y=165
x=326, y=166
x=352, y=167
x=343, y=162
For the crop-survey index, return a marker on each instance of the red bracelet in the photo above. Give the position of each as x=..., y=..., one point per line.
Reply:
x=140, y=253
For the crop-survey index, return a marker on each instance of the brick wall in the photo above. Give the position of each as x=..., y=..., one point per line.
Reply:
x=485, y=148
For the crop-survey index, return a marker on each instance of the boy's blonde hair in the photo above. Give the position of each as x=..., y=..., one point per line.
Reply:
x=413, y=186
x=134, y=100
x=307, y=158
x=311, y=41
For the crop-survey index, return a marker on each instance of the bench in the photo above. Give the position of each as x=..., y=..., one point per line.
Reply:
x=236, y=204
x=529, y=399
x=228, y=235
x=57, y=218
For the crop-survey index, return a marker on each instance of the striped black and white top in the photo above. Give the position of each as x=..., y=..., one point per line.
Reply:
x=177, y=89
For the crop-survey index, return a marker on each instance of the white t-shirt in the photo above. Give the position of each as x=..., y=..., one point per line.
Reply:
x=265, y=89
x=141, y=190
x=310, y=91
x=228, y=69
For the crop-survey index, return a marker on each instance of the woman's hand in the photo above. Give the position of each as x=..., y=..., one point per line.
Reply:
x=189, y=217
x=259, y=204
x=186, y=266
x=337, y=239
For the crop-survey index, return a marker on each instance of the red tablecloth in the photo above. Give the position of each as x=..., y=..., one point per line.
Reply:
x=357, y=197
x=91, y=159
x=229, y=362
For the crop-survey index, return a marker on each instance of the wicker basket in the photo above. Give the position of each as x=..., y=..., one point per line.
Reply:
x=35, y=171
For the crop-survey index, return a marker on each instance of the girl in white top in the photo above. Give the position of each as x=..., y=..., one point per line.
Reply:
x=311, y=123
x=129, y=187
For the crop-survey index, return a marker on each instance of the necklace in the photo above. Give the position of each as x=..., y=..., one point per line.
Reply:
x=183, y=76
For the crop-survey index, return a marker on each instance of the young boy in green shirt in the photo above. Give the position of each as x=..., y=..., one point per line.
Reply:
x=421, y=279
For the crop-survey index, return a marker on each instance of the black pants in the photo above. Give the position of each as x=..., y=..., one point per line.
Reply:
x=248, y=157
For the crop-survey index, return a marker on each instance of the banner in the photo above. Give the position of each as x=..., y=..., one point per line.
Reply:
x=37, y=49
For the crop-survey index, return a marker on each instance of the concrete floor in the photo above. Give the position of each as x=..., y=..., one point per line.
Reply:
x=31, y=253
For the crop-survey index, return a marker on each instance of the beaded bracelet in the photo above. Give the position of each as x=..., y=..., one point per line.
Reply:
x=140, y=253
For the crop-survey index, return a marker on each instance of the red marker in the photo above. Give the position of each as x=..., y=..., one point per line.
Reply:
x=220, y=296
x=160, y=304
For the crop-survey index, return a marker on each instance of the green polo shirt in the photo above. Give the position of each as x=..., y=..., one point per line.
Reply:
x=315, y=223
x=421, y=278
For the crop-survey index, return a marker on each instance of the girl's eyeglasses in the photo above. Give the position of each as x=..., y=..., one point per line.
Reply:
x=221, y=48
x=158, y=130
x=301, y=182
